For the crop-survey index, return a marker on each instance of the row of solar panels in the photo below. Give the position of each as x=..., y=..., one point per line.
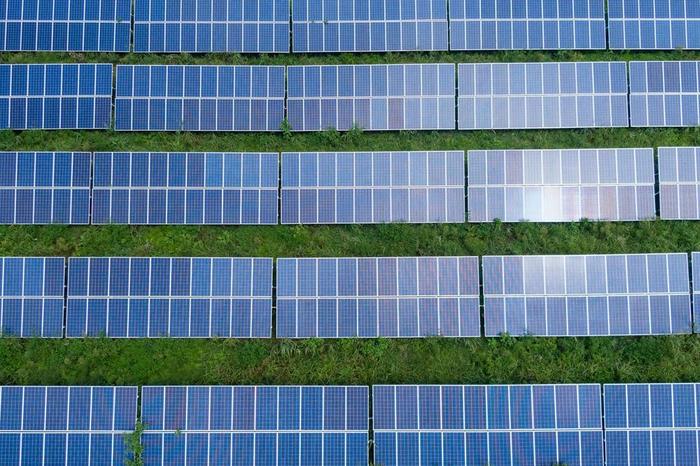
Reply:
x=498, y=425
x=404, y=297
x=371, y=97
x=264, y=26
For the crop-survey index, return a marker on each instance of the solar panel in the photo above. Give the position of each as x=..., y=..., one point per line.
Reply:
x=199, y=98
x=179, y=297
x=250, y=26
x=530, y=24
x=678, y=183
x=373, y=187
x=371, y=97
x=61, y=25
x=664, y=93
x=378, y=297
x=55, y=96
x=654, y=24
x=369, y=25
x=696, y=288
x=542, y=95
x=623, y=294
x=31, y=303
x=496, y=425
x=285, y=425
x=45, y=187
x=652, y=423
x=64, y=426
x=151, y=188
x=561, y=185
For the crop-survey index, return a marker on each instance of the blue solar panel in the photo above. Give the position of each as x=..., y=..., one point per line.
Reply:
x=378, y=297
x=62, y=426
x=652, y=424
x=369, y=25
x=55, y=96
x=696, y=288
x=542, y=95
x=527, y=24
x=185, y=188
x=497, y=425
x=634, y=294
x=254, y=26
x=45, y=187
x=679, y=180
x=65, y=25
x=31, y=303
x=373, y=187
x=371, y=97
x=654, y=24
x=245, y=425
x=199, y=98
x=664, y=93
x=180, y=297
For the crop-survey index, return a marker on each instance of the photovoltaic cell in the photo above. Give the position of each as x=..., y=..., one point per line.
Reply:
x=373, y=187
x=371, y=97
x=634, y=294
x=679, y=179
x=378, y=297
x=369, y=25
x=497, y=425
x=561, y=185
x=55, y=96
x=249, y=26
x=64, y=426
x=527, y=24
x=180, y=297
x=45, y=187
x=654, y=24
x=652, y=424
x=664, y=93
x=542, y=95
x=199, y=98
x=286, y=425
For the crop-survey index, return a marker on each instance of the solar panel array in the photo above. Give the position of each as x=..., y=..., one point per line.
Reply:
x=66, y=425
x=633, y=294
x=369, y=25
x=542, y=95
x=372, y=187
x=378, y=297
x=652, y=423
x=678, y=183
x=199, y=98
x=497, y=424
x=654, y=24
x=695, y=264
x=371, y=97
x=290, y=425
x=531, y=24
x=561, y=185
x=182, y=297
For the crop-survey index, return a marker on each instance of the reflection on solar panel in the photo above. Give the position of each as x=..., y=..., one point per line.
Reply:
x=696, y=288
x=378, y=297
x=652, y=423
x=531, y=24
x=654, y=24
x=371, y=97
x=634, y=294
x=286, y=425
x=55, y=96
x=257, y=26
x=66, y=425
x=373, y=187
x=664, y=93
x=45, y=187
x=679, y=179
x=369, y=25
x=496, y=424
x=561, y=185
x=182, y=297
x=542, y=95
x=199, y=98
x=192, y=188
x=31, y=303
